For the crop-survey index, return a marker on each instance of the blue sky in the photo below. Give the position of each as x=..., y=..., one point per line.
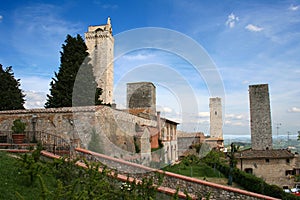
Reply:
x=250, y=42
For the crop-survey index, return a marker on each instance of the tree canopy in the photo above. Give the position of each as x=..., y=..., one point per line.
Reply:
x=74, y=84
x=11, y=96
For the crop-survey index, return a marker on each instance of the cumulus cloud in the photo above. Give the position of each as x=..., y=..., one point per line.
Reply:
x=294, y=110
x=34, y=99
x=203, y=114
x=231, y=20
x=253, y=28
x=294, y=7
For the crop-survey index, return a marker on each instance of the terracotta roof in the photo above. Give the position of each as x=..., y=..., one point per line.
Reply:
x=273, y=153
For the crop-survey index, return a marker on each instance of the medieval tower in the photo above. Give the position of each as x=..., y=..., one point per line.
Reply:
x=100, y=43
x=216, y=122
x=260, y=117
x=141, y=98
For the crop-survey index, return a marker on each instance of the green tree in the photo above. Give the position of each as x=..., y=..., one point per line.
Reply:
x=11, y=96
x=74, y=59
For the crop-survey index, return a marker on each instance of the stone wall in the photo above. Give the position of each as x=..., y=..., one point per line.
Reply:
x=272, y=170
x=100, y=43
x=114, y=129
x=260, y=117
x=142, y=95
x=216, y=122
x=193, y=186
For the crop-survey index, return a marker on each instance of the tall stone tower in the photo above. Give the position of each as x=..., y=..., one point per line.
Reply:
x=260, y=117
x=141, y=98
x=100, y=43
x=216, y=122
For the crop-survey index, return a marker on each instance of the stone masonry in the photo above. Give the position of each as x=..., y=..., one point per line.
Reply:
x=141, y=96
x=216, y=122
x=260, y=117
x=100, y=43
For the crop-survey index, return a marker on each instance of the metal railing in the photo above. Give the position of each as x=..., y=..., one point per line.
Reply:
x=50, y=142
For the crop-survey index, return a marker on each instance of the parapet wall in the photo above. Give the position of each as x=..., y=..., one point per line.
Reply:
x=117, y=126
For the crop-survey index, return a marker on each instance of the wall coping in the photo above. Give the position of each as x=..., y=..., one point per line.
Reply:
x=186, y=178
x=55, y=110
x=120, y=177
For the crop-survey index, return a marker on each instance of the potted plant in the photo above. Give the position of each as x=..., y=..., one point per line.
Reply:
x=18, y=129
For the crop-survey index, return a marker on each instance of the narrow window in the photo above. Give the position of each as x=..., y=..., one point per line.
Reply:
x=267, y=160
x=216, y=113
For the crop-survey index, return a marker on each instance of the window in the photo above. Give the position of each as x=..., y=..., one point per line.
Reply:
x=287, y=160
x=267, y=160
x=216, y=112
x=249, y=170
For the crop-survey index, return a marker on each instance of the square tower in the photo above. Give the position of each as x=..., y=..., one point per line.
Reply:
x=216, y=122
x=141, y=98
x=100, y=43
x=260, y=117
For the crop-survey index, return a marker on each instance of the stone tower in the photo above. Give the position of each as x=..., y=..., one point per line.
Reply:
x=216, y=122
x=260, y=117
x=100, y=43
x=141, y=98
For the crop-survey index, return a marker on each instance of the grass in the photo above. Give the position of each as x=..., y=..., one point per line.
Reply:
x=194, y=170
x=11, y=181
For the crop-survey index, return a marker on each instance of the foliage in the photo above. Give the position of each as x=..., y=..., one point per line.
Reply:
x=18, y=126
x=63, y=179
x=74, y=57
x=11, y=96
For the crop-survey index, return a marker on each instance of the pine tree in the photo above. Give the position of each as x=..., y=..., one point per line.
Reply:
x=74, y=82
x=11, y=96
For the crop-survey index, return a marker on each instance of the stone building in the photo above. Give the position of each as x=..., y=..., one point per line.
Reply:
x=187, y=140
x=275, y=166
x=100, y=43
x=141, y=98
x=260, y=117
x=216, y=124
x=141, y=101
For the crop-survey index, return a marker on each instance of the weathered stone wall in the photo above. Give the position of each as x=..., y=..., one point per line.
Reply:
x=115, y=128
x=216, y=122
x=260, y=117
x=273, y=171
x=193, y=186
x=100, y=43
x=141, y=95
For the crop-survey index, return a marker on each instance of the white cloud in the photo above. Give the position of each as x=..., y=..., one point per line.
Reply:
x=203, y=114
x=294, y=7
x=231, y=20
x=294, y=110
x=34, y=99
x=1, y=18
x=138, y=56
x=253, y=28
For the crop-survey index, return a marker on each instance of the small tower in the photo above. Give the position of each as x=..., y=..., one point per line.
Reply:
x=216, y=122
x=141, y=98
x=100, y=43
x=260, y=117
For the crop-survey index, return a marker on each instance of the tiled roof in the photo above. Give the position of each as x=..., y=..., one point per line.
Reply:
x=272, y=153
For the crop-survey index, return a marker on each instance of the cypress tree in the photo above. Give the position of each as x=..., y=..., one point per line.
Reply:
x=74, y=57
x=11, y=96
